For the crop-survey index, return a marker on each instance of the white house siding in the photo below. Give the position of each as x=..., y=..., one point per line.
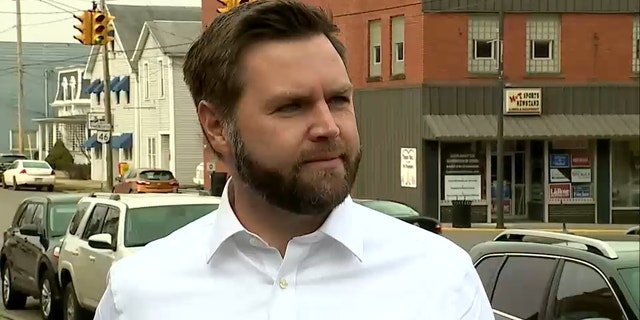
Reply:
x=188, y=135
x=154, y=111
x=123, y=112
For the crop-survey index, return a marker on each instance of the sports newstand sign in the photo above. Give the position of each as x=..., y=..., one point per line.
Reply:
x=523, y=101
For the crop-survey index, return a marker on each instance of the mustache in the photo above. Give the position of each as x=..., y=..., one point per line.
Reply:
x=324, y=151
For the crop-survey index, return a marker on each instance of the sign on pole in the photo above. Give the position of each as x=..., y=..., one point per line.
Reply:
x=103, y=136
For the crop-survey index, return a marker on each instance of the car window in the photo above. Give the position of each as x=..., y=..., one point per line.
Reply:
x=81, y=210
x=487, y=269
x=529, y=275
x=94, y=224
x=10, y=158
x=631, y=278
x=583, y=293
x=18, y=216
x=38, y=216
x=111, y=224
x=60, y=215
x=27, y=216
x=36, y=165
x=156, y=175
x=143, y=225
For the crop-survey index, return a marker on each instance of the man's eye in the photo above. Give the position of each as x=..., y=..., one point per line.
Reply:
x=289, y=108
x=339, y=101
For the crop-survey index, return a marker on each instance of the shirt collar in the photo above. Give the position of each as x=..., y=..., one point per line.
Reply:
x=341, y=225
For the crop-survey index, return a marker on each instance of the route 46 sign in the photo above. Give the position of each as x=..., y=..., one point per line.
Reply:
x=103, y=136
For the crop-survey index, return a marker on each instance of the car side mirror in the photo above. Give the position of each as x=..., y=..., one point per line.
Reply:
x=30, y=230
x=101, y=241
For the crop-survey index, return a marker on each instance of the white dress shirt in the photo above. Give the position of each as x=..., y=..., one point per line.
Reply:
x=360, y=265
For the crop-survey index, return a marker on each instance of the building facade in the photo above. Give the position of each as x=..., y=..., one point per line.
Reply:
x=428, y=99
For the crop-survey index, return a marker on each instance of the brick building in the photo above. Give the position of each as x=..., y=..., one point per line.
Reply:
x=427, y=102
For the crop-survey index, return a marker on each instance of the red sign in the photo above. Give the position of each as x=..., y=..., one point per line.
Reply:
x=560, y=190
x=580, y=161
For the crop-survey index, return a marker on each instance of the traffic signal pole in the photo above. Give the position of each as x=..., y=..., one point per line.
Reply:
x=20, y=76
x=107, y=105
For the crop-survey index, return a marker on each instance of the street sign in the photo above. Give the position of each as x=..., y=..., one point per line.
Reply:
x=102, y=126
x=103, y=136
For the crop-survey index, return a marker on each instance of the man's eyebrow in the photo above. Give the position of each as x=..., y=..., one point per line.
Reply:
x=343, y=89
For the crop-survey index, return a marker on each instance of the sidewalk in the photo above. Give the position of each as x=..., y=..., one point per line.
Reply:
x=578, y=227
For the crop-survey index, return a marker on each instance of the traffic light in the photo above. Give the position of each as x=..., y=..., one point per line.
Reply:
x=85, y=27
x=102, y=28
x=230, y=4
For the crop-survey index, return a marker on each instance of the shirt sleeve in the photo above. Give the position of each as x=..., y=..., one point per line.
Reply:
x=107, y=307
x=477, y=303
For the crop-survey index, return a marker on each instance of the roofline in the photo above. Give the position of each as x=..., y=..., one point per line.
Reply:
x=142, y=40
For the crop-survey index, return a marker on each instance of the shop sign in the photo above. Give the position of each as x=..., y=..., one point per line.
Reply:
x=560, y=191
x=459, y=187
x=556, y=175
x=582, y=175
x=580, y=161
x=408, y=168
x=523, y=101
x=559, y=160
x=582, y=191
x=462, y=164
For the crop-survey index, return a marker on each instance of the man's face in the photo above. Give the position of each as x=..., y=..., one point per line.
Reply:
x=295, y=139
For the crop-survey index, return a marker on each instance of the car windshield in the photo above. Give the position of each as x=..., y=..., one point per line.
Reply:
x=59, y=217
x=631, y=278
x=156, y=175
x=11, y=158
x=143, y=225
x=36, y=165
x=391, y=208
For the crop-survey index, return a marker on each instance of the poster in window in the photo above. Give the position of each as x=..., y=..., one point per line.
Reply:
x=560, y=190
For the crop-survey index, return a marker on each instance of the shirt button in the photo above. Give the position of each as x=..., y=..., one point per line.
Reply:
x=283, y=283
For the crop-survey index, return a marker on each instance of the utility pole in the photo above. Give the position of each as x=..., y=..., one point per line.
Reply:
x=107, y=105
x=500, y=124
x=20, y=76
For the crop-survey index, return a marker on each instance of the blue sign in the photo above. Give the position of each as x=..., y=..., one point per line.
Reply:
x=581, y=191
x=559, y=160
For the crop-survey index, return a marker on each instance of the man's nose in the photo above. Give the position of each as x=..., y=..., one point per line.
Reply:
x=324, y=125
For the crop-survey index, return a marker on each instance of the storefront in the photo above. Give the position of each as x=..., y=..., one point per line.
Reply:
x=625, y=181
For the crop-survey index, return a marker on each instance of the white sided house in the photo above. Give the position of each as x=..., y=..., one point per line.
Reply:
x=125, y=92
x=169, y=127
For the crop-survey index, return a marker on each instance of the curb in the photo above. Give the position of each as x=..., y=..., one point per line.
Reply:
x=611, y=231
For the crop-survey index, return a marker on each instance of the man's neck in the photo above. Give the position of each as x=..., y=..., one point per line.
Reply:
x=274, y=225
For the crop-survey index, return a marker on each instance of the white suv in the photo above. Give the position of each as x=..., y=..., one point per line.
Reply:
x=108, y=227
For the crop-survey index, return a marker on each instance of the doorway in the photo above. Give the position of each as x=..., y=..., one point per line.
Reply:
x=514, y=185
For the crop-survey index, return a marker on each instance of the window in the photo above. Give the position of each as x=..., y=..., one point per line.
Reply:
x=94, y=224
x=375, y=45
x=583, y=293
x=127, y=154
x=151, y=152
x=570, y=172
x=541, y=49
x=98, y=152
x=160, y=78
x=636, y=45
x=111, y=224
x=27, y=215
x=625, y=174
x=397, y=40
x=81, y=209
x=543, y=44
x=38, y=216
x=65, y=88
x=487, y=269
x=483, y=49
x=147, y=86
x=60, y=214
x=529, y=275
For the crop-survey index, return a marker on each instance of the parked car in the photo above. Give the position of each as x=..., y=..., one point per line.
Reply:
x=402, y=212
x=633, y=230
x=108, y=227
x=29, y=173
x=29, y=255
x=6, y=159
x=146, y=181
x=533, y=274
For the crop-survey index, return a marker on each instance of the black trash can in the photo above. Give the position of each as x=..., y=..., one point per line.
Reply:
x=461, y=214
x=218, y=180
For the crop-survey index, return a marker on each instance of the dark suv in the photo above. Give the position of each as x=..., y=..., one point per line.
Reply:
x=541, y=275
x=6, y=159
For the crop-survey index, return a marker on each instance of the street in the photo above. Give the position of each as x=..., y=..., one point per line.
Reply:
x=10, y=200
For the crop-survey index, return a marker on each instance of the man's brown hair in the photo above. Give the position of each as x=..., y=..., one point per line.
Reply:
x=212, y=68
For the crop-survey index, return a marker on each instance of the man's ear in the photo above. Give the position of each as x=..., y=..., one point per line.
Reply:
x=213, y=128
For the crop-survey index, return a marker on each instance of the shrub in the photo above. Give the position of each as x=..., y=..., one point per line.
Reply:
x=78, y=171
x=59, y=156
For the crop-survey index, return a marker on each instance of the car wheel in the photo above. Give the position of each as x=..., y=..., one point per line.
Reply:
x=50, y=304
x=11, y=298
x=72, y=309
x=50, y=188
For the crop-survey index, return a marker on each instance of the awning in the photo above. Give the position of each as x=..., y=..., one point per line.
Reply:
x=92, y=142
x=99, y=88
x=92, y=86
x=114, y=83
x=123, y=141
x=122, y=85
x=555, y=126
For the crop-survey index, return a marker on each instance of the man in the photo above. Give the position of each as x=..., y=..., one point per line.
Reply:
x=275, y=102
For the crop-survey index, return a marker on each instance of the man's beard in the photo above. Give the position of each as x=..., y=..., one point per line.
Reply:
x=296, y=191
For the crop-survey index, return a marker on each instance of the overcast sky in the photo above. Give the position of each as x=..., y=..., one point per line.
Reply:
x=52, y=20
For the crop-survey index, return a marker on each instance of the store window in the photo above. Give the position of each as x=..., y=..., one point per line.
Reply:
x=462, y=171
x=570, y=172
x=625, y=174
